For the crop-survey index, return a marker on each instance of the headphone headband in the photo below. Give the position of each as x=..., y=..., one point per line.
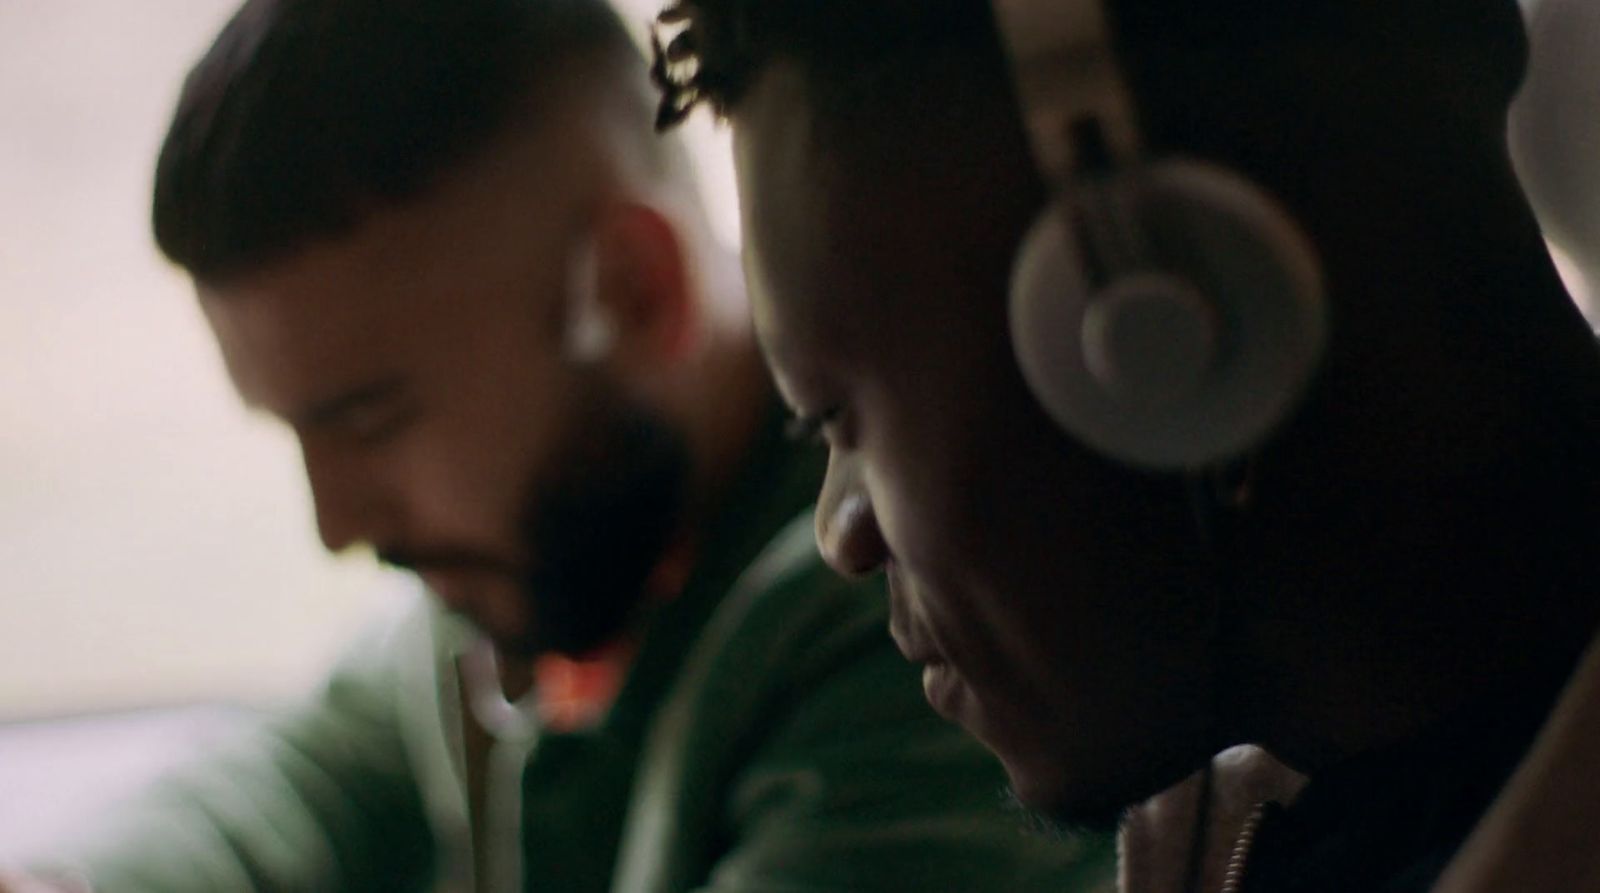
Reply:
x=1164, y=311
x=1066, y=75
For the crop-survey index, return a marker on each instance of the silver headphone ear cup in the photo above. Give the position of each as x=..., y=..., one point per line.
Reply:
x=1210, y=342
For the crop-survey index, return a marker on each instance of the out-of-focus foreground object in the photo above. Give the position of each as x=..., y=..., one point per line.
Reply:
x=1538, y=835
x=1555, y=136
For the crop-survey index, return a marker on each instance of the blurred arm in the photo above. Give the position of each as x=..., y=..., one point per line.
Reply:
x=321, y=798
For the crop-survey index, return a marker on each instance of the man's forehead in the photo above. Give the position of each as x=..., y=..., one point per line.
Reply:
x=776, y=169
x=781, y=206
x=288, y=344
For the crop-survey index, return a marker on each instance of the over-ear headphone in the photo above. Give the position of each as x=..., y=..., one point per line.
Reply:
x=1167, y=313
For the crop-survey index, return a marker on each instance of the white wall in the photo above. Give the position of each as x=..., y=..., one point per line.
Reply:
x=155, y=543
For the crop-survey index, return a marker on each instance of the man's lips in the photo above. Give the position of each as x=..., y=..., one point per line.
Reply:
x=486, y=598
x=942, y=686
x=940, y=681
x=456, y=587
x=920, y=654
x=913, y=646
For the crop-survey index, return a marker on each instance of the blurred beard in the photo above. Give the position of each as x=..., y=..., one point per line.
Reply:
x=599, y=526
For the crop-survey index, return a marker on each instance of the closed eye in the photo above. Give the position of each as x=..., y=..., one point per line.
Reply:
x=366, y=415
x=372, y=425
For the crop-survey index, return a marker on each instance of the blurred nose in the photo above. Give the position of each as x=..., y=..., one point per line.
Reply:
x=847, y=527
x=343, y=498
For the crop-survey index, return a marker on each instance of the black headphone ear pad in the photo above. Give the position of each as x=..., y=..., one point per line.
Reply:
x=1218, y=323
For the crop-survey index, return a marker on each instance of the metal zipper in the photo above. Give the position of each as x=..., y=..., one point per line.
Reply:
x=1233, y=878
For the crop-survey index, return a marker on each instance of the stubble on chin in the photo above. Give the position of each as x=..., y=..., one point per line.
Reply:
x=1061, y=824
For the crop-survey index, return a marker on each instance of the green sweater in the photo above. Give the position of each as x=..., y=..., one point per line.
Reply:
x=768, y=739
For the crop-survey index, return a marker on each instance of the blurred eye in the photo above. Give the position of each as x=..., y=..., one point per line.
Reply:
x=377, y=424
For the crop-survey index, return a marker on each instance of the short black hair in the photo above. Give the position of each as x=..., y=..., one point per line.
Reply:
x=304, y=115
x=713, y=50
x=717, y=48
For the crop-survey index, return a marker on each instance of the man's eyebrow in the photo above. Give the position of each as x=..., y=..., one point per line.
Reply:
x=330, y=411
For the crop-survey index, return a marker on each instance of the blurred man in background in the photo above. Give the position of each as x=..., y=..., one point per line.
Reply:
x=439, y=240
x=1197, y=373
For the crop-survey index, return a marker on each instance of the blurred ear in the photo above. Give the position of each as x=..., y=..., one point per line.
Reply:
x=642, y=290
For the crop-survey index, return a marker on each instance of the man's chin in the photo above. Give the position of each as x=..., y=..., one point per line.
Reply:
x=1060, y=822
x=1054, y=801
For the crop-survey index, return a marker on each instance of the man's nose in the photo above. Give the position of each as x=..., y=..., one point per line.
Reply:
x=344, y=500
x=847, y=527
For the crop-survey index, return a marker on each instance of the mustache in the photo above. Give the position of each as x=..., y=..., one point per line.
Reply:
x=420, y=560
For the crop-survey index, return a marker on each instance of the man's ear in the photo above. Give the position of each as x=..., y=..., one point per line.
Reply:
x=641, y=286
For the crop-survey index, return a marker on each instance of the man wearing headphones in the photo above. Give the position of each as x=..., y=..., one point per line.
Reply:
x=1197, y=374
x=439, y=239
